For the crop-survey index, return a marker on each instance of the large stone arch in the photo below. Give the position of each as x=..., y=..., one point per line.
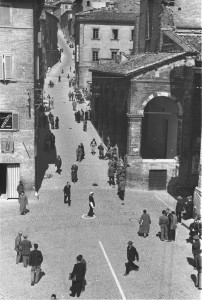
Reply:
x=160, y=94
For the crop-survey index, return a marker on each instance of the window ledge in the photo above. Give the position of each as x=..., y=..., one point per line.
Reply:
x=7, y=81
x=95, y=39
x=114, y=39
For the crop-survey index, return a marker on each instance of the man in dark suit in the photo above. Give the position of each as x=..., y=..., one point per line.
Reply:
x=35, y=261
x=132, y=254
x=179, y=208
x=77, y=277
x=25, y=246
x=67, y=193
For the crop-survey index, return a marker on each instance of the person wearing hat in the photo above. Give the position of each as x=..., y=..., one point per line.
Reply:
x=67, y=193
x=196, y=249
x=18, y=248
x=20, y=187
x=101, y=151
x=179, y=208
x=77, y=277
x=132, y=254
x=164, y=222
x=74, y=170
x=35, y=261
x=26, y=245
x=91, y=205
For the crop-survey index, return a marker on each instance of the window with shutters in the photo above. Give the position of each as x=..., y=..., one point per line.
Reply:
x=6, y=72
x=95, y=33
x=95, y=55
x=5, y=15
x=115, y=34
x=9, y=121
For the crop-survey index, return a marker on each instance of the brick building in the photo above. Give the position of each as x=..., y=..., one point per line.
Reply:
x=100, y=34
x=149, y=104
x=18, y=43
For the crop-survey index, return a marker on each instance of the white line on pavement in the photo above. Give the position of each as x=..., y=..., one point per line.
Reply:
x=113, y=273
x=163, y=202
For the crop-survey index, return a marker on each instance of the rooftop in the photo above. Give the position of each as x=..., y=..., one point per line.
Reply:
x=136, y=63
x=102, y=15
x=188, y=42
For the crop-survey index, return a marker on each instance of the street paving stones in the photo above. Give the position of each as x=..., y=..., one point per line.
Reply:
x=62, y=233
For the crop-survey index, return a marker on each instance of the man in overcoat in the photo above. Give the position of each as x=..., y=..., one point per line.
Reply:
x=173, y=226
x=67, y=193
x=101, y=151
x=74, y=170
x=17, y=247
x=23, y=200
x=58, y=164
x=25, y=245
x=132, y=255
x=35, y=261
x=196, y=248
x=77, y=277
x=144, y=222
x=79, y=153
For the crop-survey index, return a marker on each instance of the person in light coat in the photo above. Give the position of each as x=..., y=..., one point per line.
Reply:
x=144, y=222
x=23, y=200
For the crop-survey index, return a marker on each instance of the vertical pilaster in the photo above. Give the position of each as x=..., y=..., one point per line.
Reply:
x=134, y=134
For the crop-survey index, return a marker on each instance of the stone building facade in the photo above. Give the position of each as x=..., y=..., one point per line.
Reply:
x=100, y=34
x=18, y=42
x=147, y=103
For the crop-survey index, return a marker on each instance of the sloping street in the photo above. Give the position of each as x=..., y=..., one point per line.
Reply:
x=62, y=233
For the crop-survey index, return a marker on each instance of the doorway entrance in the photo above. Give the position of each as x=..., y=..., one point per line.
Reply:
x=10, y=176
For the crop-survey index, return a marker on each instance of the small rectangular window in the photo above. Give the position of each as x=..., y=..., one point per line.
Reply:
x=95, y=55
x=114, y=53
x=5, y=15
x=88, y=3
x=115, y=34
x=95, y=33
x=6, y=67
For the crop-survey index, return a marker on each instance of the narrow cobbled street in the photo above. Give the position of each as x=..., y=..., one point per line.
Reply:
x=62, y=233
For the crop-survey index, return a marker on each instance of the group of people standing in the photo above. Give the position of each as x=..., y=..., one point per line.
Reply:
x=27, y=257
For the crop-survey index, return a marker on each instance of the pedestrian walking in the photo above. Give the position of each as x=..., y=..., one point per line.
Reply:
x=70, y=69
x=82, y=115
x=196, y=249
x=77, y=277
x=132, y=255
x=121, y=188
x=25, y=247
x=50, y=117
x=91, y=205
x=173, y=226
x=74, y=170
x=52, y=141
x=111, y=172
x=179, y=208
x=58, y=164
x=78, y=116
x=83, y=151
x=67, y=193
x=169, y=215
x=86, y=115
x=35, y=261
x=163, y=222
x=89, y=114
x=20, y=187
x=101, y=151
x=18, y=248
x=144, y=222
x=52, y=103
x=93, y=145
x=56, y=123
x=68, y=76
x=79, y=153
x=53, y=297
x=23, y=200
x=59, y=77
x=199, y=269
x=62, y=71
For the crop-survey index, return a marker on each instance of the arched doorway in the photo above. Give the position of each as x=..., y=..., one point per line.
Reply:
x=159, y=129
